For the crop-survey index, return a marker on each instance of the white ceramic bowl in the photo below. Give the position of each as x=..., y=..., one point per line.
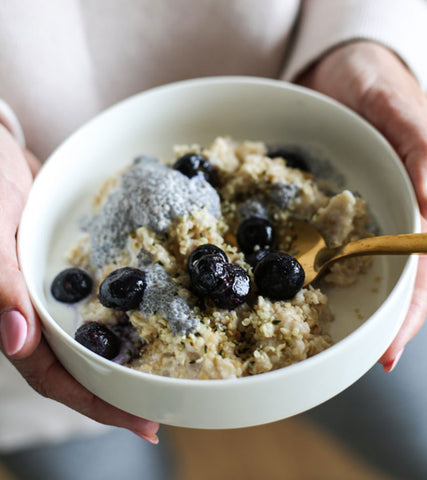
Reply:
x=196, y=111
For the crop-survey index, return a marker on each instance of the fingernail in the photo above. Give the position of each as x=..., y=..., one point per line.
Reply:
x=13, y=331
x=154, y=439
x=389, y=367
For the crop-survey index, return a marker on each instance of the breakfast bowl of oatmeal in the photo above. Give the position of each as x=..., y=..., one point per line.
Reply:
x=159, y=251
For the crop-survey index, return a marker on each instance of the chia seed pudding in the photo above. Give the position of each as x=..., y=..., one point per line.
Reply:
x=184, y=242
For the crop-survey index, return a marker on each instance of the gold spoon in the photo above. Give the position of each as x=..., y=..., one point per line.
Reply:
x=314, y=255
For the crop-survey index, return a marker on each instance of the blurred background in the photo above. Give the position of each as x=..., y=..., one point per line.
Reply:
x=294, y=449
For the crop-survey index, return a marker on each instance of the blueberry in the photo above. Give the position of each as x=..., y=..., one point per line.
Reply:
x=279, y=276
x=254, y=257
x=212, y=276
x=202, y=250
x=233, y=288
x=123, y=289
x=71, y=285
x=98, y=338
x=255, y=231
x=206, y=274
x=192, y=164
x=293, y=156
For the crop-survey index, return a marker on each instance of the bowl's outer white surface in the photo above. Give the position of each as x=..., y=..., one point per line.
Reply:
x=196, y=112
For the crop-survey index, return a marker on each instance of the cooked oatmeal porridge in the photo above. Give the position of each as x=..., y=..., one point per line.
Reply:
x=187, y=269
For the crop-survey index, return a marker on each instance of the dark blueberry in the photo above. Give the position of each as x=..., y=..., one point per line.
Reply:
x=71, y=285
x=279, y=276
x=123, y=289
x=98, y=338
x=254, y=257
x=201, y=251
x=206, y=274
x=192, y=164
x=255, y=231
x=293, y=156
x=234, y=287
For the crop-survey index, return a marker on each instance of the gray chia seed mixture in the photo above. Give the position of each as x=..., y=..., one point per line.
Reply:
x=150, y=194
x=161, y=297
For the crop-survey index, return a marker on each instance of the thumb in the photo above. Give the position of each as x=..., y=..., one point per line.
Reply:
x=19, y=325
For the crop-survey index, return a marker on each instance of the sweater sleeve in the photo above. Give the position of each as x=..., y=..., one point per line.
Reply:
x=400, y=25
x=11, y=122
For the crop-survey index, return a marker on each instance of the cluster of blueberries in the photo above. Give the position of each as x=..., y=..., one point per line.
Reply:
x=213, y=276
x=277, y=275
x=123, y=289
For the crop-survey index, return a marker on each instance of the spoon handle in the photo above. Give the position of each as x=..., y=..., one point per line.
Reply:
x=386, y=245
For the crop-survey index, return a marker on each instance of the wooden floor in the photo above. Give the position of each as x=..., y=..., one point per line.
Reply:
x=4, y=475
x=289, y=450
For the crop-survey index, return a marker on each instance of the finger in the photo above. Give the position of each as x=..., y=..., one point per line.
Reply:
x=397, y=107
x=47, y=376
x=416, y=165
x=14, y=166
x=414, y=320
x=33, y=162
x=19, y=326
x=403, y=121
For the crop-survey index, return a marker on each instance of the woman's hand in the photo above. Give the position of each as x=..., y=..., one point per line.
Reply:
x=374, y=82
x=21, y=338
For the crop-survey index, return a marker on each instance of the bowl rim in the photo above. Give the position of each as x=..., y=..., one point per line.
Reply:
x=45, y=316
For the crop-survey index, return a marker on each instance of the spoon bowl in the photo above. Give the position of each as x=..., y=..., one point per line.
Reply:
x=315, y=256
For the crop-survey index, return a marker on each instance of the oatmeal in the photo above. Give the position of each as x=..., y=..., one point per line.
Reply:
x=191, y=264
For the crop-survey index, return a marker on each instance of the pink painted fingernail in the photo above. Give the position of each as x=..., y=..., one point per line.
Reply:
x=13, y=331
x=154, y=439
x=389, y=367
